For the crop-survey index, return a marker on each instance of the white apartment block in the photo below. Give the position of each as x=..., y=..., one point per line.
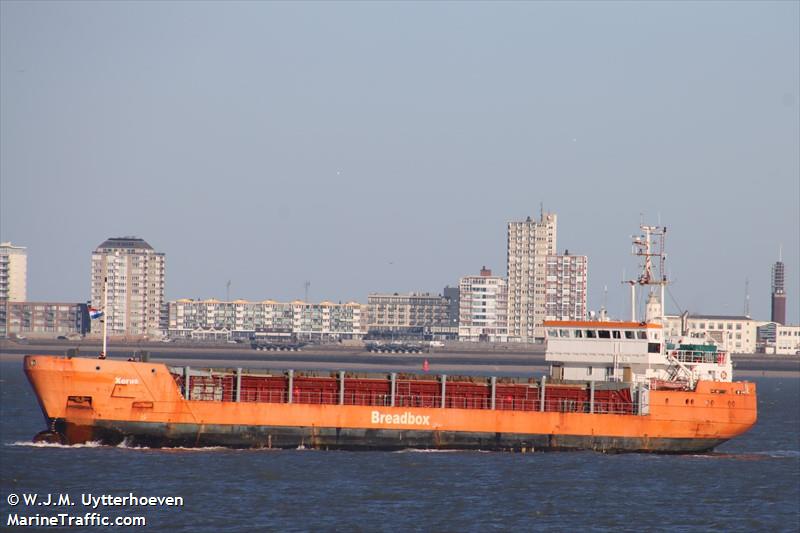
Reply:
x=529, y=244
x=135, y=274
x=402, y=311
x=242, y=319
x=483, y=308
x=787, y=340
x=565, y=287
x=13, y=272
x=736, y=334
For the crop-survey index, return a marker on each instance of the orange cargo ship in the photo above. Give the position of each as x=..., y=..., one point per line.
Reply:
x=613, y=386
x=146, y=403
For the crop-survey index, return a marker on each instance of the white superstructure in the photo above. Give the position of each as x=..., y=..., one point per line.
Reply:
x=633, y=351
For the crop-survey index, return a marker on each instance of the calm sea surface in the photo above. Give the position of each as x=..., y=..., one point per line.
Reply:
x=750, y=484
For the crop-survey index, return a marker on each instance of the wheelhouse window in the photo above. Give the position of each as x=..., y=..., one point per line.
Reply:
x=616, y=334
x=604, y=334
x=629, y=335
x=578, y=334
x=564, y=333
x=641, y=334
x=591, y=334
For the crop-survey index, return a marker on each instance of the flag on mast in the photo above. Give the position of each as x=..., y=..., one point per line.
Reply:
x=95, y=313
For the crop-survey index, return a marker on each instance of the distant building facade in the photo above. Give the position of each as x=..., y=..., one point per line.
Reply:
x=241, y=319
x=417, y=315
x=400, y=311
x=529, y=244
x=737, y=334
x=787, y=340
x=13, y=272
x=483, y=308
x=453, y=297
x=778, y=294
x=136, y=279
x=43, y=319
x=774, y=338
x=565, y=287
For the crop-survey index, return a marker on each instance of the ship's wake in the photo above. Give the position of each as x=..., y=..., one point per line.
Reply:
x=752, y=456
x=31, y=444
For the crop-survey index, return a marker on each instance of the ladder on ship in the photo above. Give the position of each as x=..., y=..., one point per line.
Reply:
x=676, y=369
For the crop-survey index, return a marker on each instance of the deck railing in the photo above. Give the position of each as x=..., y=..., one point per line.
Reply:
x=221, y=388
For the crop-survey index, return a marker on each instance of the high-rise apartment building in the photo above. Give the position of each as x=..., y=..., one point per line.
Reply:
x=565, y=287
x=13, y=272
x=529, y=244
x=778, y=294
x=135, y=274
x=483, y=308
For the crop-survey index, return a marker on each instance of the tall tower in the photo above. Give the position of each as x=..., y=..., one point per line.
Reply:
x=778, y=293
x=135, y=274
x=529, y=244
x=13, y=272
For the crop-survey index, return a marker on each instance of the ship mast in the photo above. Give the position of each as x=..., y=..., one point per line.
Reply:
x=650, y=247
x=105, y=317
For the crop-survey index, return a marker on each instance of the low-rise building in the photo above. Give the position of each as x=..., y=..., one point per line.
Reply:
x=242, y=319
x=406, y=315
x=483, y=308
x=43, y=319
x=735, y=333
x=787, y=340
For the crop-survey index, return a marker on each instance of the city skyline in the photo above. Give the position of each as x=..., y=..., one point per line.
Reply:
x=641, y=294
x=384, y=148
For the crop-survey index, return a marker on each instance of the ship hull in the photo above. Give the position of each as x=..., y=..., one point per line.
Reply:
x=159, y=435
x=141, y=404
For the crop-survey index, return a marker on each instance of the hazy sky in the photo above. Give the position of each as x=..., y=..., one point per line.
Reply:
x=384, y=146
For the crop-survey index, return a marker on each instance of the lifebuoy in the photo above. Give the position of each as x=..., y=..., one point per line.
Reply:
x=723, y=375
